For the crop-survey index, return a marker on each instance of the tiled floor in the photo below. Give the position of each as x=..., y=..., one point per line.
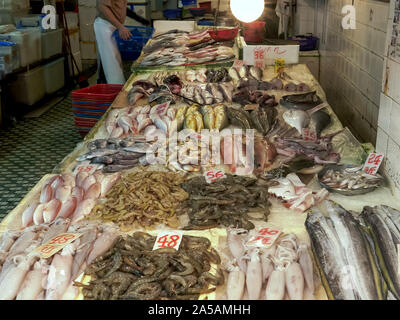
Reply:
x=32, y=149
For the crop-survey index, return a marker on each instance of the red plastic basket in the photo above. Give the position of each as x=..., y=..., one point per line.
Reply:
x=223, y=35
x=206, y=5
x=254, y=31
x=90, y=104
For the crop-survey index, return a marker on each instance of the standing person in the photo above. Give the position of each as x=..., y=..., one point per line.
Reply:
x=111, y=15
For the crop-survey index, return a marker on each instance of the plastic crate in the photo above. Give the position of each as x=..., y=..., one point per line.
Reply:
x=205, y=23
x=189, y=2
x=307, y=43
x=172, y=13
x=197, y=12
x=206, y=5
x=90, y=104
x=131, y=49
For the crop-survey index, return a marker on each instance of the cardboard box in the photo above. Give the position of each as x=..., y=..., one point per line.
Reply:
x=88, y=50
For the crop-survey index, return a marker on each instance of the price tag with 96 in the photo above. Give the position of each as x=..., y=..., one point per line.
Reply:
x=168, y=239
x=214, y=175
x=55, y=244
x=264, y=238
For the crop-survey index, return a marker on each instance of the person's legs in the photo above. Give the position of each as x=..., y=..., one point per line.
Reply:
x=108, y=51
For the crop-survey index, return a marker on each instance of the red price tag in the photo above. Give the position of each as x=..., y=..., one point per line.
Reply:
x=214, y=175
x=86, y=166
x=259, y=54
x=168, y=239
x=373, y=163
x=309, y=135
x=238, y=64
x=55, y=244
x=264, y=238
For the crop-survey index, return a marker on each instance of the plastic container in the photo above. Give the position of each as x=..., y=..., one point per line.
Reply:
x=131, y=49
x=205, y=23
x=9, y=52
x=223, y=34
x=254, y=31
x=172, y=13
x=90, y=104
x=206, y=5
x=51, y=43
x=307, y=43
x=29, y=86
x=189, y=2
x=54, y=76
x=197, y=12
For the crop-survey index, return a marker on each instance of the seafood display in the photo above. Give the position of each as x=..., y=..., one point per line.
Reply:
x=319, y=150
x=295, y=194
x=283, y=271
x=345, y=253
x=179, y=48
x=303, y=101
x=25, y=275
x=131, y=270
x=143, y=199
x=349, y=178
x=229, y=202
x=68, y=196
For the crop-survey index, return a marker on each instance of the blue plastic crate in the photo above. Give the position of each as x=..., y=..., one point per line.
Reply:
x=189, y=2
x=172, y=13
x=307, y=43
x=205, y=23
x=131, y=49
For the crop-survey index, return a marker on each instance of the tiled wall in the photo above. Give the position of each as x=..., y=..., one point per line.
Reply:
x=351, y=60
x=388, y=140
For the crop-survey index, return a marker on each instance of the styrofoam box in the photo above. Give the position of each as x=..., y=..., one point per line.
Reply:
x=87, y=15
x=288, y=52
x=29, y=43
x=166, y=25
x=74, y=39
x=54, y=76
x=88, y=50
x=72, y=20
x=14, y=5
x=87, y=3
x=10, y=58
x=87, y=33
x=51, y=43
x=29, y=86
x=78, y=59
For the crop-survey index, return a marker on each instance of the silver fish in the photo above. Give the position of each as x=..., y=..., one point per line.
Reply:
x=256, y=72
x=298, y=119
x=96, y=153
x=234, y=74
x=139, y=148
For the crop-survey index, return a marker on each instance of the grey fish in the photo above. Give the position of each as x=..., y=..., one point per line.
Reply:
x=355, y=249
x=320, y=120
x=96, y=153
x=302, y=101
x=117, y=168
x=227, y=91
x=234, y=74
x=97, y=144
x=387, y=248
x=256, y=73
x=102, y=160
x=125, y=155
x=329, y=254
x=239, y=118
x=139, y=148
x=198, y=96
x=207, y=97
x=124, y=162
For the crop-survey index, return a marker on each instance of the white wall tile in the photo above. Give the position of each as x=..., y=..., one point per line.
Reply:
x=382, y=142
x=385, y=110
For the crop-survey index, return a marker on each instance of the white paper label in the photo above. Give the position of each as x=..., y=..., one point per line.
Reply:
x=373, y=163
x=264, y=238
x=214, y=175
x=55, y=244
x=86, y=166
x=168, y=239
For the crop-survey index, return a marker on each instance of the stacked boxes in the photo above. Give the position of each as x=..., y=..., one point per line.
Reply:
x=87, y=15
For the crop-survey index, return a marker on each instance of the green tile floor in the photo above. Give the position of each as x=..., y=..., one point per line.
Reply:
x=32, y=149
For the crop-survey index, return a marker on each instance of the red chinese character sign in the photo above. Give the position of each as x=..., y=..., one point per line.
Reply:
x=373, y=163
x=55, y=244
x=264, y=238
x=214, y=175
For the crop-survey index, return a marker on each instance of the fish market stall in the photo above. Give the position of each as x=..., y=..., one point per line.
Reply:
x=256, y=227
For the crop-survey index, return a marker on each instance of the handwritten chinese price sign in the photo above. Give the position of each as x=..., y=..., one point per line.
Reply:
x=259, y=54
x=309, y=135
x=238, y=64
x=55, y=244
x=214, y=175
x=86, y=166
x=168, y=239
x=373, y=163
x=264, y=238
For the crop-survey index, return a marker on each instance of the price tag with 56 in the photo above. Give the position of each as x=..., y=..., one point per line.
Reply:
x=264, y=238
x=214, y=175
x=168, y=239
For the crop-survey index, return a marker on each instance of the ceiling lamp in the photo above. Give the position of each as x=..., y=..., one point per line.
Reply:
x=247, y=10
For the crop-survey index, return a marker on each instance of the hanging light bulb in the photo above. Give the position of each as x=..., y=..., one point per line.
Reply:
x=247, y=10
